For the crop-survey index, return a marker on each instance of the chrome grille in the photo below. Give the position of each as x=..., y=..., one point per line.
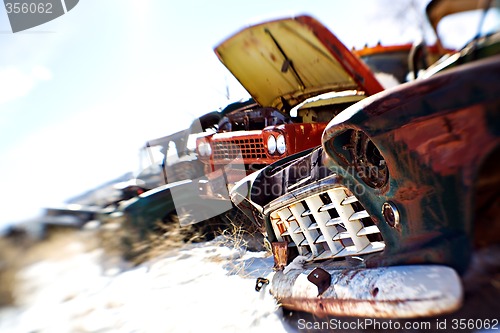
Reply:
x=231, y=149
x=331, y=224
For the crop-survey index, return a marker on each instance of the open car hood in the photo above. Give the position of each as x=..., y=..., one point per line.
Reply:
x=437, y=9
x=283, y=62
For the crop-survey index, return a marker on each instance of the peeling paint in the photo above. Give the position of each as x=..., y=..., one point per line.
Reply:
x=448, y=152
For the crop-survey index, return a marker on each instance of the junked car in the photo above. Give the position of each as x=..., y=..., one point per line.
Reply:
x=69, y=216
x=237, y=136
x=299, y=76
x=172, y=172
x=395, y=64
x=382, y=218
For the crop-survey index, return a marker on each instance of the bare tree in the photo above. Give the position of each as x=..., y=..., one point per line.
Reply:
x=407, y=15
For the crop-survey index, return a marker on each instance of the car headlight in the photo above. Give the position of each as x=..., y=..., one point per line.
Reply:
x=271, y=144
x=280, y=144
x=204, y=149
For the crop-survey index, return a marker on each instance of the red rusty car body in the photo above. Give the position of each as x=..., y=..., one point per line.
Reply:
x=282, y=64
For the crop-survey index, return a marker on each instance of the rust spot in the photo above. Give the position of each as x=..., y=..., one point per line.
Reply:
x=390, y=103
x=444, y=143
x=371, y=308
x=273, y=57
x=412, y=192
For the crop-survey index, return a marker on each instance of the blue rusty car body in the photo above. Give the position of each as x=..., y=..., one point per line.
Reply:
x=405, y=186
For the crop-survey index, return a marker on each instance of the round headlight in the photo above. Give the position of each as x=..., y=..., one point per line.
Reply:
x=209, y=149
x=204, y=149
x=271, y=144
x=280, y=144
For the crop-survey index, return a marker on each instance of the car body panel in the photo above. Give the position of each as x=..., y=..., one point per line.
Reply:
x=156, y=205
x=433, y=154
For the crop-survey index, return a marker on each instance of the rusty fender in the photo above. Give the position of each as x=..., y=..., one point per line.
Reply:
x=386, y=292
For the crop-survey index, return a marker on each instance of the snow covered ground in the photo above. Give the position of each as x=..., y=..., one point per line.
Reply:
x=200, y=287
x=74, y=286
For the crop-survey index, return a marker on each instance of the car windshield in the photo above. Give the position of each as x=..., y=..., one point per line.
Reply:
x=457, y=30
x=151, y=160
x=253, y=119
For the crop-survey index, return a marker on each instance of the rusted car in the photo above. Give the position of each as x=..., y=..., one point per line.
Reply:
x=399, y=63
x=238, y=137
x=299, y=76
x=172, y=174
x=383, y=217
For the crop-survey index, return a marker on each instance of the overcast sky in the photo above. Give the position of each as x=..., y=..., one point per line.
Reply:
x=81, y=94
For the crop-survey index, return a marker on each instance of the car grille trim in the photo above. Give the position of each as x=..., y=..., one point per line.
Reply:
x=328, y=224
x=241, y=148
